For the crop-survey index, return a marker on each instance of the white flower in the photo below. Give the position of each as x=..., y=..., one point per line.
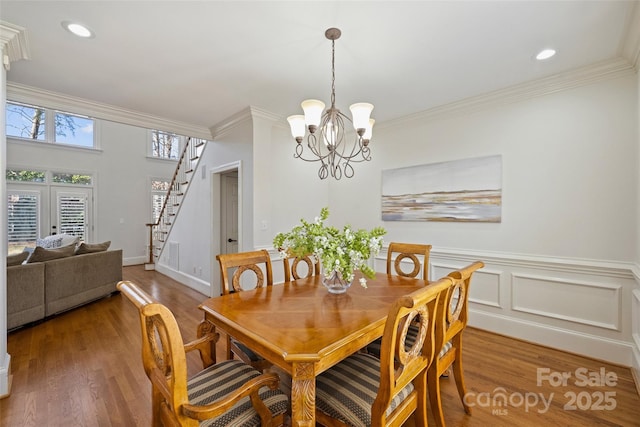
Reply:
x=363, y=282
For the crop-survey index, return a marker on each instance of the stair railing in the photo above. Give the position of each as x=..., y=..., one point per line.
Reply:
x=159, y=230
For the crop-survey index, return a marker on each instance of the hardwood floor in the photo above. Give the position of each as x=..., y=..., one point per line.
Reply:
x=84, y=368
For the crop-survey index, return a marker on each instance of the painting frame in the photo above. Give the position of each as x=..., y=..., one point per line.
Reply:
x=465, y=190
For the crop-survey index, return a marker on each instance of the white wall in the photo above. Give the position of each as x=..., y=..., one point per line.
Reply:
x=287, y=190
x=194, y=232
x=559, y=264
x=569, y=173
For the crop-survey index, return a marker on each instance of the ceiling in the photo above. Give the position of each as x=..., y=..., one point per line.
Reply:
x=202, y=62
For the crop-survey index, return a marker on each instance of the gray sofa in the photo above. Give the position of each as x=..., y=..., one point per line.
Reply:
x=38, y=290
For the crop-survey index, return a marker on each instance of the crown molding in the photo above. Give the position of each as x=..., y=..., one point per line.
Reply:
x=260, y=113
x=230, y=123
x=15, y=39
x=31, y=95
x=240, y=117
x=631, y=43
x=603, y=70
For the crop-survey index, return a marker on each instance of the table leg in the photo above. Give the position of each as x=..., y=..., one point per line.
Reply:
x=303, y=395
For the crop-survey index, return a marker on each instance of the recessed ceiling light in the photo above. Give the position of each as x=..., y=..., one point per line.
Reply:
x=545, y=54
x=77, y=29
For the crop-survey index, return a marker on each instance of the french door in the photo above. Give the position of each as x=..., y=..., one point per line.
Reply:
x=71, y=211
x=35, y=211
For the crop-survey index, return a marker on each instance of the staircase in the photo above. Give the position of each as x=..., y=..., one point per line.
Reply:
x=159, y=231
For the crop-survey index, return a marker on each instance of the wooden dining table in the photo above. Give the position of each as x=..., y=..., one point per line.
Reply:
x=303, y=329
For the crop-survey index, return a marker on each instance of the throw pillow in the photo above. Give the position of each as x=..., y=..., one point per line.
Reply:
x=41, y=254
x=88, y=248
x=68, y=239
x=17, y=259
x=49, y=242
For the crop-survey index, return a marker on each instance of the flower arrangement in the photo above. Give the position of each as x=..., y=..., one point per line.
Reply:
x=342, y=251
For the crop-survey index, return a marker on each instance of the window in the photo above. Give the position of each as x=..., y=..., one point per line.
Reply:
x=159, y=188
x=25, y=176
x=71, y=178
x=165, y=145
x=22, y=219
x=25, y=121
x=73, y=129
x=45, y=125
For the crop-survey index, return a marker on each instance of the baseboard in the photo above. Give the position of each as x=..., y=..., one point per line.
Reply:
x=187, y=280
x=5, y=377
x=595, y=347
x=134, y=260
x=635, y=368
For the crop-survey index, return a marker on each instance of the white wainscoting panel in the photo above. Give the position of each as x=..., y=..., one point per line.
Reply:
x=595, y=304
x=635, y=316
x=576, y=305
x=485, y=283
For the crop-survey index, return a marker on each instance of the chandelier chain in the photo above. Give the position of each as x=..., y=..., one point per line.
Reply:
x=333, y=73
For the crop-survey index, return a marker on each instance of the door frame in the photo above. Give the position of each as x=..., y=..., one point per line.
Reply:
x=216, y=220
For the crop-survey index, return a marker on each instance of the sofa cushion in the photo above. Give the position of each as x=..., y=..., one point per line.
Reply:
x=41, y=254
x=17, y=259
x=88, y=248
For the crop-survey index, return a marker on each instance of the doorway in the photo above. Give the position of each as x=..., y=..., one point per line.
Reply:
x=229, y=212
x=226, y=212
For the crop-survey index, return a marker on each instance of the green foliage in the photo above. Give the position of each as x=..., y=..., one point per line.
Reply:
x=25, y=175
x=343, y=250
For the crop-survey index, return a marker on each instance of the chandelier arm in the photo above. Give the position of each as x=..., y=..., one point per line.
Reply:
x=313, y=146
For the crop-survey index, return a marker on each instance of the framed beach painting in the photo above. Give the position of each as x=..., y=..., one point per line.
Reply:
x=468, y=190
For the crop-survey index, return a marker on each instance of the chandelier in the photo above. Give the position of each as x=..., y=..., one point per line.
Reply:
x=326, y=140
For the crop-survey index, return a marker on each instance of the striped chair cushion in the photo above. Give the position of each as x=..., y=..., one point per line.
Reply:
x=218, y=380
x=252, y=356
x=347, y=391
x=412, y=334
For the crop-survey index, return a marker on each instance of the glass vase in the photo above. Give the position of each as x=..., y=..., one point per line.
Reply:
x=333, y=281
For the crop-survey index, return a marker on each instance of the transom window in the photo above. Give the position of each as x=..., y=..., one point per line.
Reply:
x=35, y=123
x=71, y=178
x=25, y=175
x=165, y=145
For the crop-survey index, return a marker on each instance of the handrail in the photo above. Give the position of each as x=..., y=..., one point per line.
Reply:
x=167, y=198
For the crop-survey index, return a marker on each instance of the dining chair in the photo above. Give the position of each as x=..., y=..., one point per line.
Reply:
x=311, y=267
x=448, y=340
x=363, y=390
x=222, y=394
x=255, y=267
x=399, y=253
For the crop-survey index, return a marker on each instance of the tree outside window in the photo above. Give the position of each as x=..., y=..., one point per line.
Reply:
x=165, y=145
x=29, y=122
